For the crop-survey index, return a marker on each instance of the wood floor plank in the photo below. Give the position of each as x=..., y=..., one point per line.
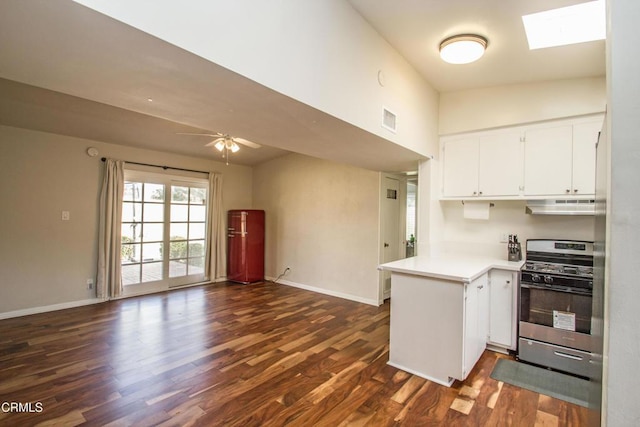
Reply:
x=240, y=355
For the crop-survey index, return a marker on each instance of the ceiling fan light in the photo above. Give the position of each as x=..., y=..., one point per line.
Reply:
x=463, y=48
x=220, y=145
x=234, y=147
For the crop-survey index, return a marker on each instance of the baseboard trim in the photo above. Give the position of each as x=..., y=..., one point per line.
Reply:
x=73, y=304
x=48, y=308
x=342, y=295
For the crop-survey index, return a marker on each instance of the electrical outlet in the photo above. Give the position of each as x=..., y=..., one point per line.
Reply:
x=89, y=283
x=287, y=269
x=66, y=216
x=504, y=237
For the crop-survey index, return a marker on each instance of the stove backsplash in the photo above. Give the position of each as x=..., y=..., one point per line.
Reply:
x=456, y=234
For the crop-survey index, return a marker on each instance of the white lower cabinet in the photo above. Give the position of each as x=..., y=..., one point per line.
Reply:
x=438, y=327
x=502, y=309
x=476, y=321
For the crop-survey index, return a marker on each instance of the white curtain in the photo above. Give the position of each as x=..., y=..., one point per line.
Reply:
x=216, y=257
x=109, y=283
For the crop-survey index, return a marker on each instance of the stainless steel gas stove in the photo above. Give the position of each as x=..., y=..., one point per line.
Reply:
x=556, y=289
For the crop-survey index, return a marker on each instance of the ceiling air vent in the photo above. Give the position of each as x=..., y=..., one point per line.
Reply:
x=388, y=120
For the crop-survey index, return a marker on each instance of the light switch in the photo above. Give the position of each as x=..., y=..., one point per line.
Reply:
x=65, y=215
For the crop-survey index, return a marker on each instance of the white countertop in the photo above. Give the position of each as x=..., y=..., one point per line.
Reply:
x=460, y=268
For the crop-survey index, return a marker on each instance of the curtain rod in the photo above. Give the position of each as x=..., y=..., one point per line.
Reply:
x=104, y=159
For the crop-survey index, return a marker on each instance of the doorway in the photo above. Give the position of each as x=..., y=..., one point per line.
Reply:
x=411, y=216
x=163, y=232
x=393, y=199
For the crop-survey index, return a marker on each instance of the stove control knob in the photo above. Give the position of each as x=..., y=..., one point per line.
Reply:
x=535, y=278
x=548, y=279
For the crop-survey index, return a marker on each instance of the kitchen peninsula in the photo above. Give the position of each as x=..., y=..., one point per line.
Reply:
x=446, y=309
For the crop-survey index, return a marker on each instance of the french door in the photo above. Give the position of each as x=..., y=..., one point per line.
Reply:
x=163, y=232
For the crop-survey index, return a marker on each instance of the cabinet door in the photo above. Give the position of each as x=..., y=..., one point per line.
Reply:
x=475, y=322
x=502, y=313
x=483, y=313
x=470, y=344
x=547, y=161
x=500, y=165
x=585, y=137
x=460, y=167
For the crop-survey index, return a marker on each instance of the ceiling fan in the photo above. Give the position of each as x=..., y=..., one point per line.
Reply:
x=225, y=143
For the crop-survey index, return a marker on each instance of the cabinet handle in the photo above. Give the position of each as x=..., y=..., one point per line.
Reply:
x=475, y=192
x=481, y=193
x=480, y=287
x=575, y=191
x=568, y=191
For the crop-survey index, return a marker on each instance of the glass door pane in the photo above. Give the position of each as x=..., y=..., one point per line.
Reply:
x=187, y=227
x=142, y=233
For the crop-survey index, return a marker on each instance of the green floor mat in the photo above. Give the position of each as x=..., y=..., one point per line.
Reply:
x=543, y=381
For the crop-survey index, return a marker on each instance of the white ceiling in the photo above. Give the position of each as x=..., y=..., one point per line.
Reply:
x=67, y=69
x=416, y=28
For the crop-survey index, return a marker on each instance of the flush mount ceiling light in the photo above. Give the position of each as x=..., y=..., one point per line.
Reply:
x=566, y=25
x=463, y=48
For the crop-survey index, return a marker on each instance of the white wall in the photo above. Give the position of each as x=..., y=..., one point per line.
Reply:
x=321, y=53
x=622, y=290
x=485, y=108
x=45, y=261
x=322, y=220
x=507, y=217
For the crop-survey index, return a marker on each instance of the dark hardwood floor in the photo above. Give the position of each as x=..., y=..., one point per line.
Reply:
x=234, y=355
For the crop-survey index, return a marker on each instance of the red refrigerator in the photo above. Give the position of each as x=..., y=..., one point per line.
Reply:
x=245, y=246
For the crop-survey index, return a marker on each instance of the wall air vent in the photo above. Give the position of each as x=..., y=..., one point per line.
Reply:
x=389, y=120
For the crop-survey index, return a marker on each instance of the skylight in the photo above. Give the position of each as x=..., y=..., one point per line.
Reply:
x=583, y=22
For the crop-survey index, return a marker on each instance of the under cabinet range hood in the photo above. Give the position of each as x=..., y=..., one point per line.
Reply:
x=560, y=207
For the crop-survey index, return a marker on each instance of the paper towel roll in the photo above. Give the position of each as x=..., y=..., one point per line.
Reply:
x=476, y=210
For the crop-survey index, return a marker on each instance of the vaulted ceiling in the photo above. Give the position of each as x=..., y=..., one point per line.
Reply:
x=70, y=70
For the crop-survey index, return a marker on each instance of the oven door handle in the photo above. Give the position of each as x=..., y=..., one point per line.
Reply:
x=532, y=286
x=567, y=356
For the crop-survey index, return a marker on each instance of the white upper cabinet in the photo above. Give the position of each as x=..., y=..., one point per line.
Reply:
x=553, y=159
x=547, y=161
x=561, y=161
x=461, y=171
x=483, y=165
x=585, y=138
x=500, y=166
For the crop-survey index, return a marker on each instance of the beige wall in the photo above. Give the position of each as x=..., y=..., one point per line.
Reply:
x=45, y=261
x=322, y=221
x=510, y=105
